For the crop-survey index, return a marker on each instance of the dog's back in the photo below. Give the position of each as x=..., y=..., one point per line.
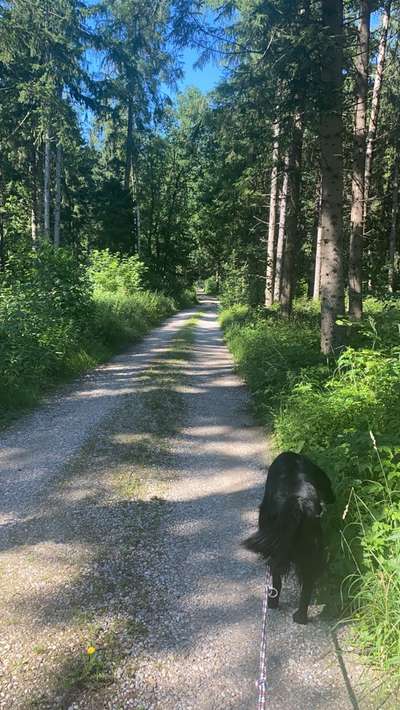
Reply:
x=290, y=527
x=289, y=518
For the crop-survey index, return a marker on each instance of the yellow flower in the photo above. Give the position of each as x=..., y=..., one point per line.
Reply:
x=90, y=650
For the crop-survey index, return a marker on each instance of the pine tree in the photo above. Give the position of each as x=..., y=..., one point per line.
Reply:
x=331, y=138
x=359, y=147
x=273, y=203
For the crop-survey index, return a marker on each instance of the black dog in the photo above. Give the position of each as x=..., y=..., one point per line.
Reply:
x=290, y=527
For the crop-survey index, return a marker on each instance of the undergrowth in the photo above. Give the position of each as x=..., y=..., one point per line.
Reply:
x=343, y=413
x=59, y=317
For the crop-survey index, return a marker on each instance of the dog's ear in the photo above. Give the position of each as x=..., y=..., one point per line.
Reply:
x=326, y=491
x=331, y=497
x=322, y=483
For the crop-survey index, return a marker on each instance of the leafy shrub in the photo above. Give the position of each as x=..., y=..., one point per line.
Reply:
x=270, y=352
x=58, y=317
x=235, y=287
x=211, y=286
x=236, y=315
x=44, y=309
x=119, y=319
x=113, y=272
x=374, y=586
x=186, y=297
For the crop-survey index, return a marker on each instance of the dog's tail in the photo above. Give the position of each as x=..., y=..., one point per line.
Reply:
x=258, y=543
x=274, y=539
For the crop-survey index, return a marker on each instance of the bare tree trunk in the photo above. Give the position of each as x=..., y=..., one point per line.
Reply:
x=129, y=145
x=273, y=202
x=375, y=104
x=393, y=226
x=34, y=198
x=130, y=178
x=318, y=252
x=331, y=143
x=293, y=198
x=135, y=209
x=281, y=232
x=359, y=143
x=57, y=204
x=2, y=235
x=46, y=186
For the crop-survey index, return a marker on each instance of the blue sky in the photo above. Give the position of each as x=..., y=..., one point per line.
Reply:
x=204, y=79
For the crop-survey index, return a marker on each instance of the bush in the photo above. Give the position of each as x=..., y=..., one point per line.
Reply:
x=344, y=416
x=58, y=317
x=186, y=298
x=113, y=272
x=44, y=310
x=270, y=352
x=235, y=288
x=120, y=319
x=211, y=286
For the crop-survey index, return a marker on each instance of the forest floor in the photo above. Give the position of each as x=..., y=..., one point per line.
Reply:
x=123, y=502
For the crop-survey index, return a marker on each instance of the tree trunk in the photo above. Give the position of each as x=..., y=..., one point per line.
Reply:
x=46, y=186
x=2, y=235
x=135, y=209
x=34, y=198
x=359, y=143
x=130, y=178
x=393, y=226
x=331, y=143
x=281, y=232
x=375, y=104
x=129, y=145
x=57, y=204
x=318, y=251
x=293, y=197
x=273, y=202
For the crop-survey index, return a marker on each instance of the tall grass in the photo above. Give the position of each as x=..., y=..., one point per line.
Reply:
x=343, y=413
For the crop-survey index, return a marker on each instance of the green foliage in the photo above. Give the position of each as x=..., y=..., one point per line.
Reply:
x=58, y=317
x=211, y=286
x=372, y=539
x=342, y=414
x=236, y=315
x=44, y=308
x=186, y=297
x=120, y=318
x=235, y=288
x=115, y=272
x=271, y=353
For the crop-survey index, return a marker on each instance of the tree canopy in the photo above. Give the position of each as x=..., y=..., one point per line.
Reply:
x=287, y=172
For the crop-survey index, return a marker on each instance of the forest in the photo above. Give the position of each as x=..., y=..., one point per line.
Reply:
x=277, y=192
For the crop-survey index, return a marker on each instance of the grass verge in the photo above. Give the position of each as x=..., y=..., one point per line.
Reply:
x=37, y=353
x=341, y=412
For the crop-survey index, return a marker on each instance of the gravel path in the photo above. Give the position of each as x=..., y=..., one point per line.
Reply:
x=123, y=503
x=36, y=448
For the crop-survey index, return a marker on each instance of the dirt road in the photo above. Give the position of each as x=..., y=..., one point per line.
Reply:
x=123, y=502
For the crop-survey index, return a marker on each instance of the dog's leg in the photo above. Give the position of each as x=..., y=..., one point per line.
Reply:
x=273, y=602
x=300, y=616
